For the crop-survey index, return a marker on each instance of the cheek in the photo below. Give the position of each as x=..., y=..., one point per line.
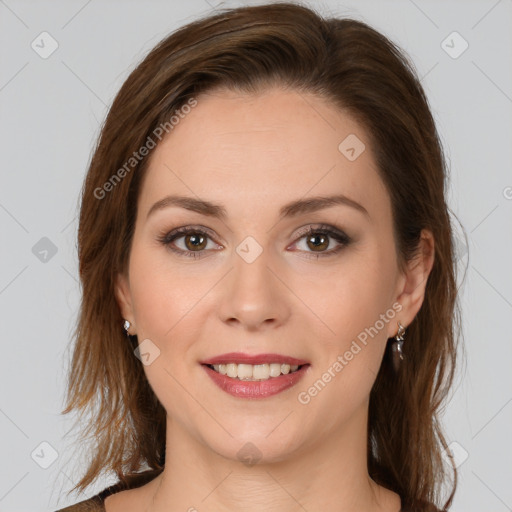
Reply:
x=161, y=296
x=163, y=303
x=357, y=309
x=358, y=312
x=355, y=293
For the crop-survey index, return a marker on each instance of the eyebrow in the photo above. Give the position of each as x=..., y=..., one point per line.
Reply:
x=292, y=209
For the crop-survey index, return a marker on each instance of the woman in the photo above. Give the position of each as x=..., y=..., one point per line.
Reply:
x=269, y=314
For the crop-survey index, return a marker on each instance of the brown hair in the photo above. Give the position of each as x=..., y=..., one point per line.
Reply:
x=343, y=61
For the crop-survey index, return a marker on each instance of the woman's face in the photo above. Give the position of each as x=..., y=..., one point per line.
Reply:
x=255, y=282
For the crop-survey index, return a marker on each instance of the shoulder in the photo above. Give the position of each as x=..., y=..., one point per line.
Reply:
x=97, y=503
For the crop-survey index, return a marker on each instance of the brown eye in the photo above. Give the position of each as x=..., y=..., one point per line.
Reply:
x=195, y=241
x=318, y=242
x=191, y=242
x=318, y=239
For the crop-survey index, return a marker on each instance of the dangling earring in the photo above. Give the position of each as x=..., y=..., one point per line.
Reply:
x=126, y=326
x=396, y=347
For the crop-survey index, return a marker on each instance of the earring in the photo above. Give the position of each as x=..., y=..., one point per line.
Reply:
x=397, y=345
x=126, y=326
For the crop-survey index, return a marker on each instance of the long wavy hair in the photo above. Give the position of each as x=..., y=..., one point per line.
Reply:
x=248, y=49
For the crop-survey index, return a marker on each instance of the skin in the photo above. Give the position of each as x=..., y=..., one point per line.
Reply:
x=253, y=153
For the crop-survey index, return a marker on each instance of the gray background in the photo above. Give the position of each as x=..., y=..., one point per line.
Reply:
x=51, y=110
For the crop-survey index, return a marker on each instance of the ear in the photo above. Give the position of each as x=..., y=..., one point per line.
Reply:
x=412, y=283
x=124, y=298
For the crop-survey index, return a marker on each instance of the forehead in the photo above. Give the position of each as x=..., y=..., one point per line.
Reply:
x=251, y=151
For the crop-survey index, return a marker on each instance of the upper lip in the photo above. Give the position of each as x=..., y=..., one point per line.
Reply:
x=241, y=358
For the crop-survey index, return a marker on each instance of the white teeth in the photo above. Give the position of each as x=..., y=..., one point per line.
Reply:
x=244, y=371
x=275, y=369
x=231, y=370
x=254, y=372
x=257, y=372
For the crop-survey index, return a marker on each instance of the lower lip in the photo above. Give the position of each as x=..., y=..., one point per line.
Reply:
x=258, y=388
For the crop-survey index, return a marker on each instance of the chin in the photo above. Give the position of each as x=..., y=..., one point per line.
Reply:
x=256, y=446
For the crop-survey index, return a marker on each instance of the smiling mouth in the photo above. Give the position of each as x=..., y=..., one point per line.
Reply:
x=257, y=372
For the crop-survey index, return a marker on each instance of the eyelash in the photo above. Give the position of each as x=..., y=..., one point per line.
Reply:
x=324, y=229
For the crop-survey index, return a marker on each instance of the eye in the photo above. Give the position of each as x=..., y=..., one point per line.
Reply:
x=318, y=239
x=194, y=243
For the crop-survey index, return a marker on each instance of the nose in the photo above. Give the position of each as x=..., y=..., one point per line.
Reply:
x=254, y=296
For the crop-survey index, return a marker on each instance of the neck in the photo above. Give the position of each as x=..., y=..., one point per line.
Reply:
x=333, y=470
